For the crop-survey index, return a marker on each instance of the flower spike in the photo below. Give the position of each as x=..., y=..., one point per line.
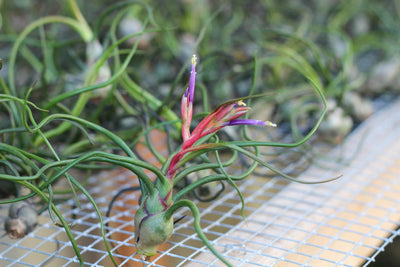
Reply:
x=187, y=101
x=153, y=220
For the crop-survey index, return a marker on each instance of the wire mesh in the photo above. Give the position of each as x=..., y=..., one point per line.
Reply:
x=346, y=222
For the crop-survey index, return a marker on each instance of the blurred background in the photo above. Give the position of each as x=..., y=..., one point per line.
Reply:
x=51, y=49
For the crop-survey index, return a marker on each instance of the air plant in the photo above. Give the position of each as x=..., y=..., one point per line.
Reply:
x=23, y=139
x=154, y=219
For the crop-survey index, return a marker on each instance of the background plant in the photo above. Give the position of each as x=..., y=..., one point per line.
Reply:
x=77, y=86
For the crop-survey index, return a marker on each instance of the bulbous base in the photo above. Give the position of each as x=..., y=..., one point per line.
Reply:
x=151, y=231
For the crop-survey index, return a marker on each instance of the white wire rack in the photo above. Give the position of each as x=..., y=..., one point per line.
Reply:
x=342, y=223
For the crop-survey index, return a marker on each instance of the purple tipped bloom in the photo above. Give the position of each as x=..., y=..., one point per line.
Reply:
x=187, y=102
x=192, y=78
x=189, y=93
x=251, y=122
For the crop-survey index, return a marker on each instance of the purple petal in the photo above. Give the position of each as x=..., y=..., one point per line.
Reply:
x=192, y=78
x=251, y=122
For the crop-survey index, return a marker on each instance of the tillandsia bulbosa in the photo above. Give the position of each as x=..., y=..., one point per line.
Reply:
x=153, y=220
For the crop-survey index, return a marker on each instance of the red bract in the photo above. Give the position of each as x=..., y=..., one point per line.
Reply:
x=215, y=121
x=225, y=115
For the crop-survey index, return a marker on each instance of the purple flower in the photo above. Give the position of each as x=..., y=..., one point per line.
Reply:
x=187, y=102
x=251, y=122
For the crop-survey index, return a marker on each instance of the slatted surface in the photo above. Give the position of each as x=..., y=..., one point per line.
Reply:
x=343, y=223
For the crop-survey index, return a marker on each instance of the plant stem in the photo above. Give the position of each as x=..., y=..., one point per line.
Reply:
x=196, y=216
x=78, y=15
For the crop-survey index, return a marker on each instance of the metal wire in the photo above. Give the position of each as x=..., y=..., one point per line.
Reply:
x=342, y=223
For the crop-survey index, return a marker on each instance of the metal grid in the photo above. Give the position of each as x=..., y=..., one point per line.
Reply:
x=345, y=222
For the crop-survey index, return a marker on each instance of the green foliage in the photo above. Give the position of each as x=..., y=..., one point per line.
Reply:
x=101, y=75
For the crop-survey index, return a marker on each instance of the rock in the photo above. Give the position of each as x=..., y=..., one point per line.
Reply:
x=94, y=51
x=131, y=25
x=22, y=219
x=383, y=76
x=336, y=125
x=360, y=108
